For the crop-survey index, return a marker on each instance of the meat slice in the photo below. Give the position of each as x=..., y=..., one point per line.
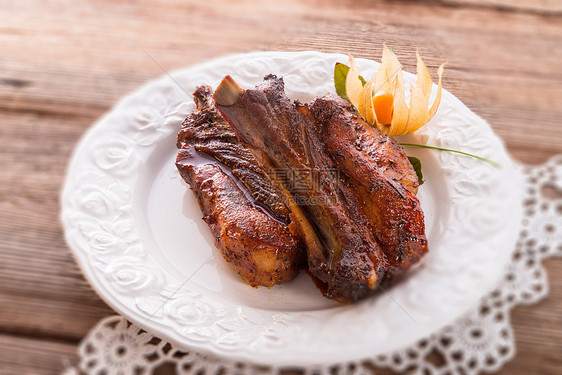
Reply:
x=208, y=133
x=382, y=178
x=251, y=224
x=361, y=225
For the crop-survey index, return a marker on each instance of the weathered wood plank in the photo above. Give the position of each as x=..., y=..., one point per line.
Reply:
x=22, y=356
x=45, y=318
x=543, y=7
x=518, y=87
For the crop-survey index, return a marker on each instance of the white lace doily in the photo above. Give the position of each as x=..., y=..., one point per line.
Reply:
x=482, y=340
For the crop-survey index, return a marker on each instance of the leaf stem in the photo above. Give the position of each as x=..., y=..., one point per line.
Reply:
x=491, y=162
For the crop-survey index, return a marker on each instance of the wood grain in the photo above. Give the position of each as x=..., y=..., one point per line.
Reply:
x=547, y=8
x=24, y=356
x=64, y=63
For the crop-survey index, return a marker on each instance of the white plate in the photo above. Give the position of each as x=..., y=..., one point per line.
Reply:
x=137, y=233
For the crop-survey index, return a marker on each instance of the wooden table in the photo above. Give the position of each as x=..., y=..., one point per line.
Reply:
x=64, y=63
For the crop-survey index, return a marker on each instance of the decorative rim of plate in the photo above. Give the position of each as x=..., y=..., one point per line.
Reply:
x=99, y=222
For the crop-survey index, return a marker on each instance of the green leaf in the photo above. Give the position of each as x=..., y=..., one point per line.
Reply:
x=340, y=74
x=491, y=162
x=362, y=80
x=416, y=163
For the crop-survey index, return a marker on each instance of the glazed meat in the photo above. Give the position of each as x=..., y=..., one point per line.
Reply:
x=381, y=178
x=349, y=188
x=245, y=212
x=210, y=135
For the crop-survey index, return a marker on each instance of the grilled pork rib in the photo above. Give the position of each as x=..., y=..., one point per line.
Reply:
x=361, y=225
x=245, y=212
x=380, y=176
x=207, y=132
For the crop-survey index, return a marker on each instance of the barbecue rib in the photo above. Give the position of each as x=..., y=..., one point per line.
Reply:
x=352, y=188
x=251, y=224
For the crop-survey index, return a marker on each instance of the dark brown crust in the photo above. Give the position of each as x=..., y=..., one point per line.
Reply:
x=366, y=226
x=382, y=178
x=251, y=224
x=383, y=150
x=210, y=134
